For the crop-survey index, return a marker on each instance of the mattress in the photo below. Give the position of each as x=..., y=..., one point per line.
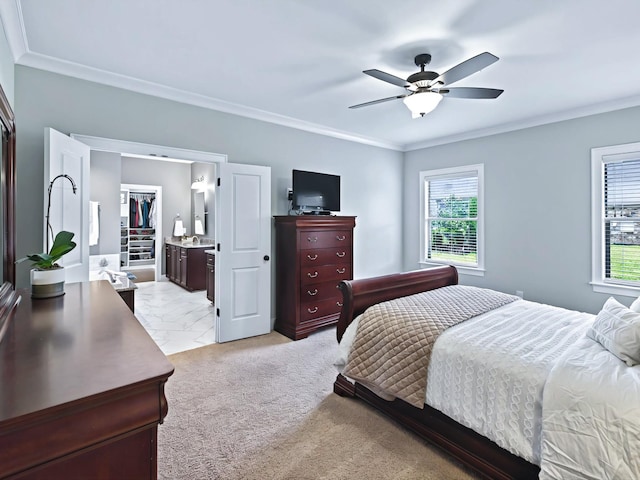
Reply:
x=489, y=372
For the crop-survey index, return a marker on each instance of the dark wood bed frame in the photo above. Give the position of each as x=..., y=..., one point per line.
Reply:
x=467, y=446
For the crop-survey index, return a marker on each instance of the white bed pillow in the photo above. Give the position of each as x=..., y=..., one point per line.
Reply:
x=635, y=306
x=617, y=329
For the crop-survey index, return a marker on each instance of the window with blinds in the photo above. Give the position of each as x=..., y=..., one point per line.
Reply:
x=621, y=223
x=451, y=216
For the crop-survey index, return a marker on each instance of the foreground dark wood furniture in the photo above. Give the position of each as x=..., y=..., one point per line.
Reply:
x=313, y=254
x=464, y=444
x=81, y=389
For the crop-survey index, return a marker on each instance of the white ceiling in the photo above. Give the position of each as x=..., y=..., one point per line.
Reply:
x=300, y=62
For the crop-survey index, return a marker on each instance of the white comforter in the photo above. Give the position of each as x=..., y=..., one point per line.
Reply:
x=490, y=372
x=591, y=417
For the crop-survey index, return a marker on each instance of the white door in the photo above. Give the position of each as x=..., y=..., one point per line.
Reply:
x=243, y=238
x=69, y=211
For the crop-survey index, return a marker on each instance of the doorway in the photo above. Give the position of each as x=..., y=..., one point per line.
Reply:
x=242, y=224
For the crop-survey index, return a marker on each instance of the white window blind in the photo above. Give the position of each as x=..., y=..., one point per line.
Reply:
x=621, y=223
x=452, y=216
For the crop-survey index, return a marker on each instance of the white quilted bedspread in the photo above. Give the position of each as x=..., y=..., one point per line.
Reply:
x=494, y=384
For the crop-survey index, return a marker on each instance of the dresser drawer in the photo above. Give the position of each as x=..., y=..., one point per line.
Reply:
x=320, y=291
x=325, y=273
x=311, y=311
x=310, y=239
x=325, y=256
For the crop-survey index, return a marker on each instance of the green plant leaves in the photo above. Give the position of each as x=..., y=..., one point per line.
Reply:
x=62, y=245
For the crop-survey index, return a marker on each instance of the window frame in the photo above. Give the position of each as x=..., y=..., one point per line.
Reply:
x=476, y=169
x=599, y=157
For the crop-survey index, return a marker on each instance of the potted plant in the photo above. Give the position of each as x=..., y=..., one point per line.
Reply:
x=47, y=277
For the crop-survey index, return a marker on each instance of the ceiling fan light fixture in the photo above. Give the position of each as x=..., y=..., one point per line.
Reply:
x=421, y=103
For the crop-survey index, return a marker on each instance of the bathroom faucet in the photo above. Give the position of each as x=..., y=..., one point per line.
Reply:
x=195, y=240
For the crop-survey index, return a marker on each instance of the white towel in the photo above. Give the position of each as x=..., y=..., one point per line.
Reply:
x=94, y=223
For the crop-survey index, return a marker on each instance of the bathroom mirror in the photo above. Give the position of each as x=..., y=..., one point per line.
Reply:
x=199, y=221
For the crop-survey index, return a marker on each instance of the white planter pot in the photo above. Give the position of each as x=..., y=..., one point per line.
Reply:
x=47, y=283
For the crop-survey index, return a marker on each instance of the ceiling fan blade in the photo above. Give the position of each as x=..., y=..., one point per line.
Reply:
x=466, y=68
x=470, y=92
x=387, y=77
x=366, y=104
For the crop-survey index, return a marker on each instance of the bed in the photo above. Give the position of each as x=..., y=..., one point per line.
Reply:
x=503, y=438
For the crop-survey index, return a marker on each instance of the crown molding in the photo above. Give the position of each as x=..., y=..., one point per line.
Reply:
x=63, y=67
x=13, y=24
x=572, y=114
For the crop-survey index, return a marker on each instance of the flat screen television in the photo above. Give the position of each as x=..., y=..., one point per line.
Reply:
x=315, y=193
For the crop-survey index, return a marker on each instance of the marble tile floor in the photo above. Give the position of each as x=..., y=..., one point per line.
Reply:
x=176, y=319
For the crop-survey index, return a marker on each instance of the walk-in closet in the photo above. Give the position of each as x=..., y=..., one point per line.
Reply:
x=140, y=230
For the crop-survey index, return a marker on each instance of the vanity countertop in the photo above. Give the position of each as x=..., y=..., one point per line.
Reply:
x=212, y=252
x=189, y=245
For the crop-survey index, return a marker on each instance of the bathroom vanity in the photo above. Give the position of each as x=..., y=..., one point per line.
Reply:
x=186, y=264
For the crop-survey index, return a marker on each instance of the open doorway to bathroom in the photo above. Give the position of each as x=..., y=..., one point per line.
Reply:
x=176, y=318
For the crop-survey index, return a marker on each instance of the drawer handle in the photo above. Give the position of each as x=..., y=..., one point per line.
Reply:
x=312, y=240
x=312, y=275
x=340, y=237
x=339, y=304
x=341, y=270
x=341, y=254
x=312, y=310
x=312, y=258
x=314, y=293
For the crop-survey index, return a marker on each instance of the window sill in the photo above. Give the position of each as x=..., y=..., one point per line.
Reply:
x=474, y=271
x=615, y=289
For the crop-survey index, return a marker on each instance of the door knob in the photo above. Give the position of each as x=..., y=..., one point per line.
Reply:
x=266, y=258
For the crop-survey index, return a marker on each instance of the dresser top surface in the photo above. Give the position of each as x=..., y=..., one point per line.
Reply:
x=65, y=349
x=315, y=221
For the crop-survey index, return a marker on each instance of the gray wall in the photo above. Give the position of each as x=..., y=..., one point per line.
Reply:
x=371, y=177
x=537, y=205
x=7, y=68
x=105, y=188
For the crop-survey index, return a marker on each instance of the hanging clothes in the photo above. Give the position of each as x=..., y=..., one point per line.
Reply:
x=152, y=214
x=139, y=221
x=142, y=211
x=133, y=211
x=145, y=213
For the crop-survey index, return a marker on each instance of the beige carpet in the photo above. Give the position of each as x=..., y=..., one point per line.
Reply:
x=263, y=408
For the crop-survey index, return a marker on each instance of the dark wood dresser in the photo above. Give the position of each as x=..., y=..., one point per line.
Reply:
x=313, y=254
x=81, y=389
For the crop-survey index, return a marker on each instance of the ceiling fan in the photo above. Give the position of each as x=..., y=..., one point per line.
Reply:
x=426, y=89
